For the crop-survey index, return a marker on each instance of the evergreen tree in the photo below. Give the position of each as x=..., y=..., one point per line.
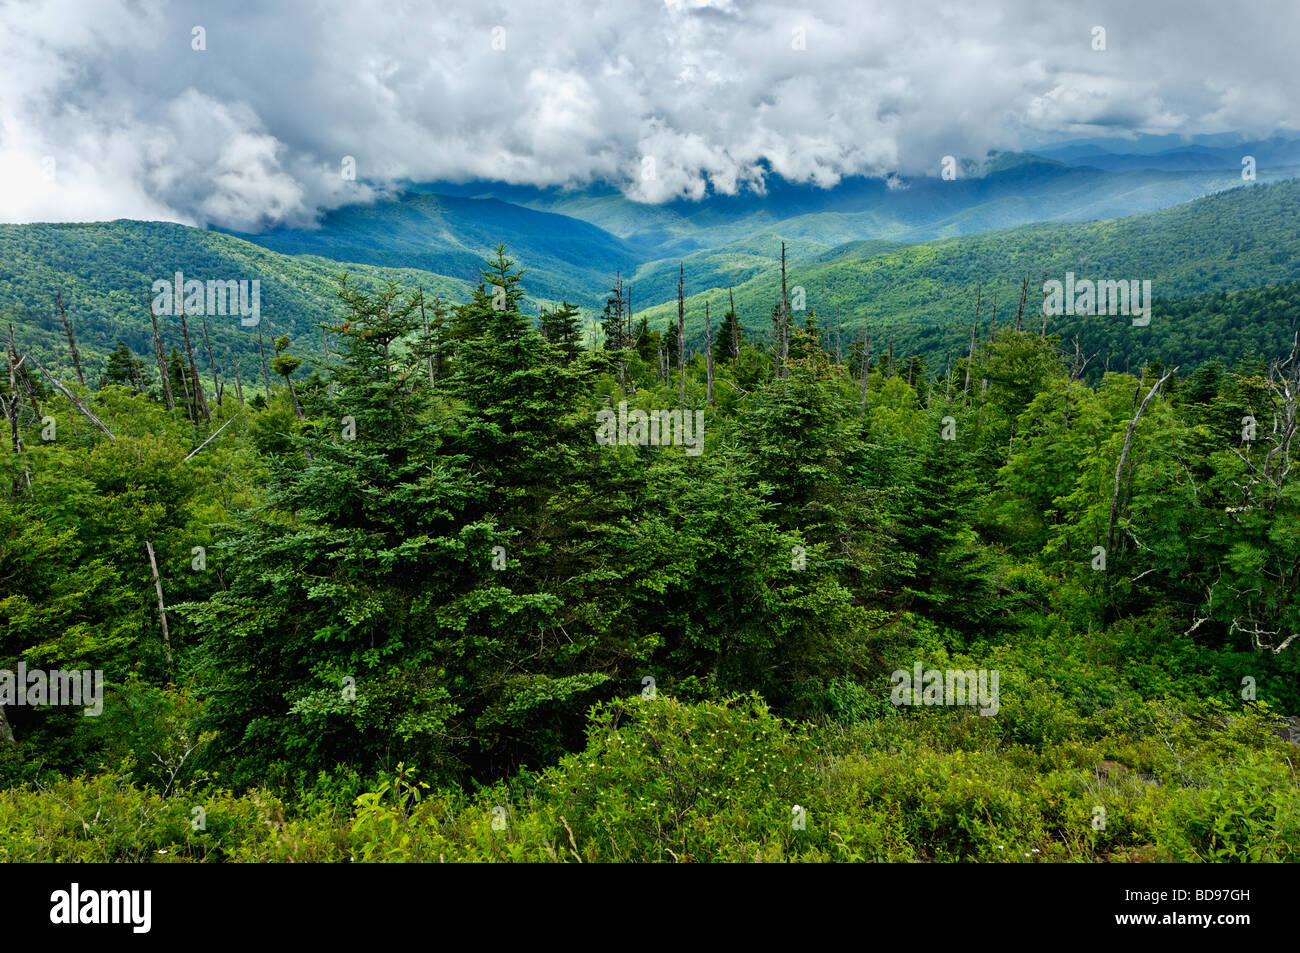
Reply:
x=124, y=369
x=729, y=332
x=615, y=321
x=563, y=328
x=285, y=364
x=647, y=342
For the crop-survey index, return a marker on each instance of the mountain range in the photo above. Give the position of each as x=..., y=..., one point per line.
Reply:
x=904, y=254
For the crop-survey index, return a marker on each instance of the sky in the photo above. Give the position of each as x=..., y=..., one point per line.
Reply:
x=233, y=115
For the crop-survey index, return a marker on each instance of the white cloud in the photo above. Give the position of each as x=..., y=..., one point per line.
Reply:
x=251, y=131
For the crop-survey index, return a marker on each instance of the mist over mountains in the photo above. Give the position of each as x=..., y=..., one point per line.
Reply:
x=574, y=241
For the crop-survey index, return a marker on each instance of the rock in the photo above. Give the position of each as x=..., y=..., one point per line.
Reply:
x=1288, y=729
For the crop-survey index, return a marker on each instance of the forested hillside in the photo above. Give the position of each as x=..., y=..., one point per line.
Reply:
x=924, y=295
x=451, y=236
x=921, y=296
x=443, y=600
x=1005, y=190
x=105, y=271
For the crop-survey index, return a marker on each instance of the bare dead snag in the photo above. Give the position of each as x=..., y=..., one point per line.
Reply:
x=1284, y=382
x=785, y=320
x=72, y=397
x=163, y=374
x=866, y=369
x=72, y=342
x=266, y=368
x=681, y=334
x=201, y=400
x=239, y=381
x=839, y=350
x=212, y=365
x=735, y=327
x=1123, y=459
x=708, y=355
x=11, y=411
x=214, y=436
x=428, y=340
x=974, y=331
x=1044, y=334
x=162, y=606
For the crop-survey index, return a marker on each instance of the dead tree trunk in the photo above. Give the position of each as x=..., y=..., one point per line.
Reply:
x=974, y=331
x=12, y=410
x=1024, y=294
x=162, y=606
x=266, y=369
x=839, y=350
x=200, y=398
x=239, y=381
x=621, y=331
x=428, y=338
x=1283, y=380
x=1044, y=334
x=163, y=375
x=785, y=319
x=1123, y=459
x=993, y=330
x=72, y=397
x=708, y=356
x=631, y=343
x=195, y=451
x=325, y=340
x=212, y=365
x=191, y=409
x=293, y=396
x=72, y=343
x=866, y=369
x=25, y=379
x=681, y=334
x=735, y=328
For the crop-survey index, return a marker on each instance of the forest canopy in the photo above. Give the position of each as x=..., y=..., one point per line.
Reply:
x=402, y=603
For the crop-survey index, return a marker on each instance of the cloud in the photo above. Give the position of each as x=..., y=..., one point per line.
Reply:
x=670, y=101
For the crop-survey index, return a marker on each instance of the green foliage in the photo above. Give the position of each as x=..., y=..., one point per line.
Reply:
x=409, y=595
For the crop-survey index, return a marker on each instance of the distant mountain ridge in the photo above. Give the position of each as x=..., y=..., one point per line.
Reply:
x=1273, y=154
x=574, y=241
x=924, y=293
x=451, y=235
x=1231, y=239
x=105, y=270
x=1008, y=189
